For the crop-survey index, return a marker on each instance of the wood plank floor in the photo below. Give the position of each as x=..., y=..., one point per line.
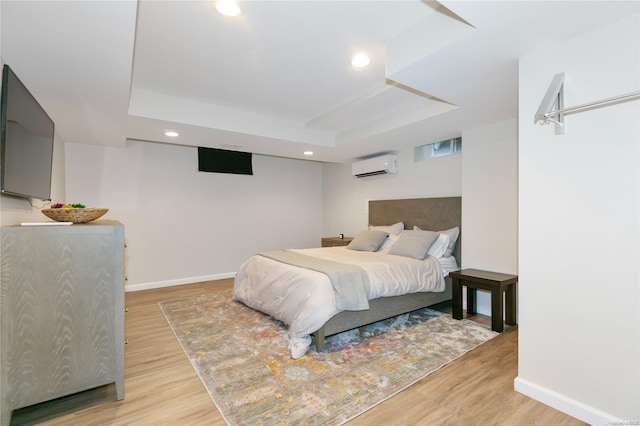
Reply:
x=161, y=387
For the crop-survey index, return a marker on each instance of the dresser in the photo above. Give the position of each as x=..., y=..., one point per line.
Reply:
x=61, y=312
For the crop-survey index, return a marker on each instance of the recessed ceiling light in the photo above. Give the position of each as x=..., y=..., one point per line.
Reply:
x=308, y=153
x=228, y=7
x=172, y=134
x=360, y=60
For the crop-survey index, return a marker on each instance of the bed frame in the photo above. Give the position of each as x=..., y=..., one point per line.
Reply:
x=427, y=213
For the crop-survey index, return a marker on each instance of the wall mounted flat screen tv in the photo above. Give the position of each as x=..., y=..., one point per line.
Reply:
x=26, y=141
x=224, y=161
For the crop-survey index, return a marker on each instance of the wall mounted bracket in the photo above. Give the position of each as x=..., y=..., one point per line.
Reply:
x=553, y=98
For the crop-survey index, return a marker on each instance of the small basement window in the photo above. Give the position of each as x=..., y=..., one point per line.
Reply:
x=437, y=149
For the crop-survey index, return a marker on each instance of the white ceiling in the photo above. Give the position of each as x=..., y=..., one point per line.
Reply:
x=277, y=80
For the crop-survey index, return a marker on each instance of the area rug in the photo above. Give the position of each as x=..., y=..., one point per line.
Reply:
x=242, y=358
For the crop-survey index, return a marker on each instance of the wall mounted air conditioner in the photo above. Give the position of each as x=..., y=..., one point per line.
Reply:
x=375, y=166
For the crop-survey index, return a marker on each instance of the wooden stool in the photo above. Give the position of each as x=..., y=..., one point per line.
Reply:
x=494, y=282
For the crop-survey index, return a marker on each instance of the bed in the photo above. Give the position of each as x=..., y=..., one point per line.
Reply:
x=307, y=302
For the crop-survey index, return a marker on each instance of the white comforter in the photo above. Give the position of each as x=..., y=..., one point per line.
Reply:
x=304, y=299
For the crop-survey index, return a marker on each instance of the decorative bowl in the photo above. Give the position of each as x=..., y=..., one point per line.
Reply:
x=74, y=215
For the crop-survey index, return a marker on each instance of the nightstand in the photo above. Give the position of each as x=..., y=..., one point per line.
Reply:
x=494, y=282
x=336, y=241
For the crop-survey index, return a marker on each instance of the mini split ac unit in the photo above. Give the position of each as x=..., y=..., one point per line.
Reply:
x=375, y=166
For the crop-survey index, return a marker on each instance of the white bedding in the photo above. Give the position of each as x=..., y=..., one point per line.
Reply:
x=304, y=299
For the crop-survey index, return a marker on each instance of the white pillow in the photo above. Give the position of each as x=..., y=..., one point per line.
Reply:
x=391, y=239
x=446, y=242
x=453, y=234
x=439, y=248
x=394, y=229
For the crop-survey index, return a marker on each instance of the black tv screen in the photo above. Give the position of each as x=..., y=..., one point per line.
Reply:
x=26, y=141
x=223, y=161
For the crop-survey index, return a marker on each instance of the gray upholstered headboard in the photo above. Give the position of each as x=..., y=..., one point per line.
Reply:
x=433, y=214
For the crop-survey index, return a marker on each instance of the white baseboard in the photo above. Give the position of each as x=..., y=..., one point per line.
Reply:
x=181, y=281
x=560, y=402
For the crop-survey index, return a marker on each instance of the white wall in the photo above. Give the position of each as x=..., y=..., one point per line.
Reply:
x=185, y=226
x=345, y=197
x=579, y=334
x=490, y=201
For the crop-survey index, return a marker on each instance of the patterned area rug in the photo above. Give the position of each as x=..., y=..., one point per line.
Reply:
x=242, y=359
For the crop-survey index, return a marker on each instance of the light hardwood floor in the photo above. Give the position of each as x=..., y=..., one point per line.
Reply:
x=161, y=387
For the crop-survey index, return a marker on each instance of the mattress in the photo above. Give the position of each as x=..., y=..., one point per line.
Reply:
x=304, y=299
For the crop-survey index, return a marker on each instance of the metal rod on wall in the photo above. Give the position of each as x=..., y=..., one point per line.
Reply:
x=596, y=104
x=555, y=98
